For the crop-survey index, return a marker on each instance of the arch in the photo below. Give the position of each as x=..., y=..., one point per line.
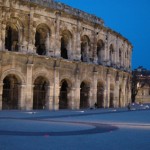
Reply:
x=84, y=94
x=20, y=77
x=111, y=101
x=11, y=38
x=65, y=87
x=42, y=39
x=100, y=94
x=13, y=34
x=85, y=48
x=66, y=43
x=11, y=92
x=100, y=48
x=40, y=93
x=111, y=53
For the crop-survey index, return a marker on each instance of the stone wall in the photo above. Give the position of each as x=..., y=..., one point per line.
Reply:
x=52, y=57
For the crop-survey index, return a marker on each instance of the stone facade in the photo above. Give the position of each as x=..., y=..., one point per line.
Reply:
x=53, y=56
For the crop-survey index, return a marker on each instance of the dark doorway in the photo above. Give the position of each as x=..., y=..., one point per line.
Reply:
x=111, y=100
x=39, y=94
x=84, y=95
x=11, y=39
x=40, y=39
x=100, y=95
x=10, y=92
x=63, y=100
x=64, y=44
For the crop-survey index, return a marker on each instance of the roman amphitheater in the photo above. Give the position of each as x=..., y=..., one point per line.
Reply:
x=53, y=56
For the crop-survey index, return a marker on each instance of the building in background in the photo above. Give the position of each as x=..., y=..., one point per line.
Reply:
x=141, y=85
x=53, y=56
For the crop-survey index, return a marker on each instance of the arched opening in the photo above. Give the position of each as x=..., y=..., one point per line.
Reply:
x=10, y=92
x=100, y=95
x=63, y=100
x=84, y=95
x=39, y=93
x=111, y=53
x=85, y=47
x=120, y=57
x=100, y=48
x=111, y=103
x=42, y=39
x=66, y=41
x=11, y=38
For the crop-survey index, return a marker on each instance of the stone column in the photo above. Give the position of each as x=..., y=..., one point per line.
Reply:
x=1, y=29
x=29, y=88
x=124, y=92
x=47, y=98
x=57, y=36
x=50, y=97
x=95, y=57
x=1, y=93
x=3, y=32
x=107, y=90
x=71, y=102
x=21, y=96
x=106, y=53
x=78, y=41
x=116, y=94
x=31, y=33
x=105, y=97
x=56, y=88
x=77, y=89
x=117, y=52
x=47, y=44
x=94, y=88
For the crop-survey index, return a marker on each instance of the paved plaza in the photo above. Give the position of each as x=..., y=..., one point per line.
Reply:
x=93, y=129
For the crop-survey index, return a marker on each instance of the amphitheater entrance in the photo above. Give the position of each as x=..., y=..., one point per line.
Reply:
x=100, y=95
x=63, y=99
x=10, y=92
x=111, y=104
x=39, y=93
x=42, y=38
x=11, y=38
x=84, y=95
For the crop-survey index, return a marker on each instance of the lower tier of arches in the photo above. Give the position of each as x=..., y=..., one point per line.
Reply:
x=61, y=86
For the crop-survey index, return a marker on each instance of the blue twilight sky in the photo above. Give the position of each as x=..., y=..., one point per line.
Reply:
x=131, y=18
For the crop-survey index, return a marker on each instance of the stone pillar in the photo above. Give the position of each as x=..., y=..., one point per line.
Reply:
x=1, y=30
x=107, y=90
x=94, y=88
x=47, y=98
x=124, y=92
x=29, y=88
x=47, y=44
x=106, y=53
x=50, y=97
x=57, y=36
x=21, y=96
x=78, y=41
x=71, y=102
x=31, y=33
x=77, y=89
x=1, y=93
x=56, y=88
x=116, y=94
x=95, y=57
x=105, y=97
